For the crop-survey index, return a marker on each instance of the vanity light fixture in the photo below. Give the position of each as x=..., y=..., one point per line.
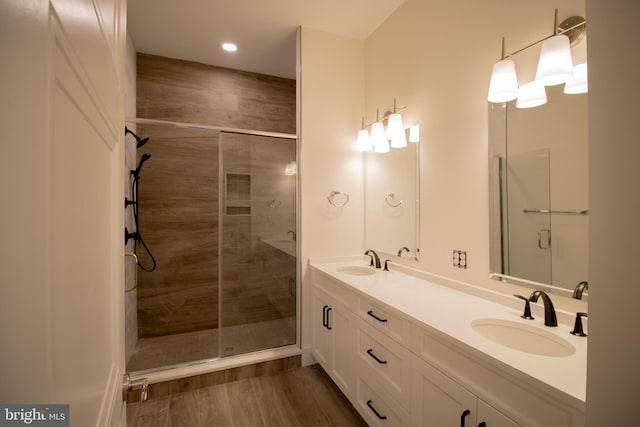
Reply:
x=378, y=136
x=578, y=84
x=530, y=95
x=291, y=168
x=414, y=133
x=363, y=143
x=554, y=65
x=503, y=86
x=395, y=129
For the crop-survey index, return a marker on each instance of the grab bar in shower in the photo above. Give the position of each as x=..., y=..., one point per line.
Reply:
x=135, y=283
x=547, y=211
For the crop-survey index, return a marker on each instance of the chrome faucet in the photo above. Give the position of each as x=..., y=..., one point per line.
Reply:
x=373, y=256
x=293, y=234
x=580, y=288
x=549, y=312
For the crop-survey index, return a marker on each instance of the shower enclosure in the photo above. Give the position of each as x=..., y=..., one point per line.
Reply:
x=217, y=210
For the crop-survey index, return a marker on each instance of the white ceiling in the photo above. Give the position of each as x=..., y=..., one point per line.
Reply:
x=264, y=30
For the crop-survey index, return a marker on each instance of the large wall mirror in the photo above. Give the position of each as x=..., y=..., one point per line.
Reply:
x=392, y=201
x=538, y=176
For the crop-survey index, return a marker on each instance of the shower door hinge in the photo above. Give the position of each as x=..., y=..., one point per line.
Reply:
x=139, y=384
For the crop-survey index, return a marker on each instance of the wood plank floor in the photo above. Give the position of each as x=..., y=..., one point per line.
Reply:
x=297, y=397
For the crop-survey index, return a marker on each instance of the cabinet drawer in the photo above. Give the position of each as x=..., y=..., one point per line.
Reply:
x=376, y=407
x=386, y=320
x=383, y=358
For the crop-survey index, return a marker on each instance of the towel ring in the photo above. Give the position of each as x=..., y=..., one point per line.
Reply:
x=332, y=198
x=392, y=196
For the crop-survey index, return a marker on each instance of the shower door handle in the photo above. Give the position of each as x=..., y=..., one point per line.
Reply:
x=544, y=243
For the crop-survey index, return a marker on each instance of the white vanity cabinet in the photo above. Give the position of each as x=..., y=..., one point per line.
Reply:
x=333, y=334
x=400, y=371
x=437, y=400
x=527, y=403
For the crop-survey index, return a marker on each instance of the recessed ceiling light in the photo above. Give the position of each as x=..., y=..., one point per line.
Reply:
x=229, y=47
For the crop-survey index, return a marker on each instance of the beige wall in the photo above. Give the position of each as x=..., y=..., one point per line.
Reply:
x=443, y=76
x=436, y=58
x=332, y=87
x=614, y=89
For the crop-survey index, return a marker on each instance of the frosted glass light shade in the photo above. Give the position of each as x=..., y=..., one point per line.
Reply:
x=379, y=138
x=394, y=126
x=395, y=129
x=414, y=133
x=531, y=95
x=578, y=83
x=504, y=82
x=555, y=65
x=383, y=147
x=363, y=143
x=399, y=141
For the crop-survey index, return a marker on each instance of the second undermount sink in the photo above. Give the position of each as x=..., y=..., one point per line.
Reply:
x=522, y=337
x=356, y=270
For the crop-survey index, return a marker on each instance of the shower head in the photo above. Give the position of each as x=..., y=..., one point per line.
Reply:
x=140, y=141
x=143, y=158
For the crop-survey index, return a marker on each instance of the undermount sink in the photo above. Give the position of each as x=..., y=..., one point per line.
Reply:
x=522, y=337
x=356, y=270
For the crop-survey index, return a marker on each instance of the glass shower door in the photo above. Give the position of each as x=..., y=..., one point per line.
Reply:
x=529, y=222
x=257, y=241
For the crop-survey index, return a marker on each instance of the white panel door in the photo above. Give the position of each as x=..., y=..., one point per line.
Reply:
x=62, y=212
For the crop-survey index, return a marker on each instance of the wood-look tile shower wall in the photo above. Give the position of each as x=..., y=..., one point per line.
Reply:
x=179, y=184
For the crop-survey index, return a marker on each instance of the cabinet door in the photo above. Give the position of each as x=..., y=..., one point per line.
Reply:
x=333, y=339
x=321, y=336
x=491, y=417
x=342, y=324
x=439, y=401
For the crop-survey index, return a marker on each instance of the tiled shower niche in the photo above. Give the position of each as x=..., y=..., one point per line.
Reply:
x=237, y=194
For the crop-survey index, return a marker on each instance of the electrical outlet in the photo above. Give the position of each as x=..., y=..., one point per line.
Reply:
x=460, y=259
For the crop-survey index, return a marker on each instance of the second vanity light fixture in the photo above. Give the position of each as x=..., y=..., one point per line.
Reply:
x=380, y=137
x=554, y=67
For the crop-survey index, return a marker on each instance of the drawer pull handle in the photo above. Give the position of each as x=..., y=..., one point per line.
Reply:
x=370, y=313
x=370, y=405
x=463, y=416
x=370, y=353
x=328, y=310
x=482, y=424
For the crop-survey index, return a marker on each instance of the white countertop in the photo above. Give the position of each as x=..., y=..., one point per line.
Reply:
x=452, y=311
